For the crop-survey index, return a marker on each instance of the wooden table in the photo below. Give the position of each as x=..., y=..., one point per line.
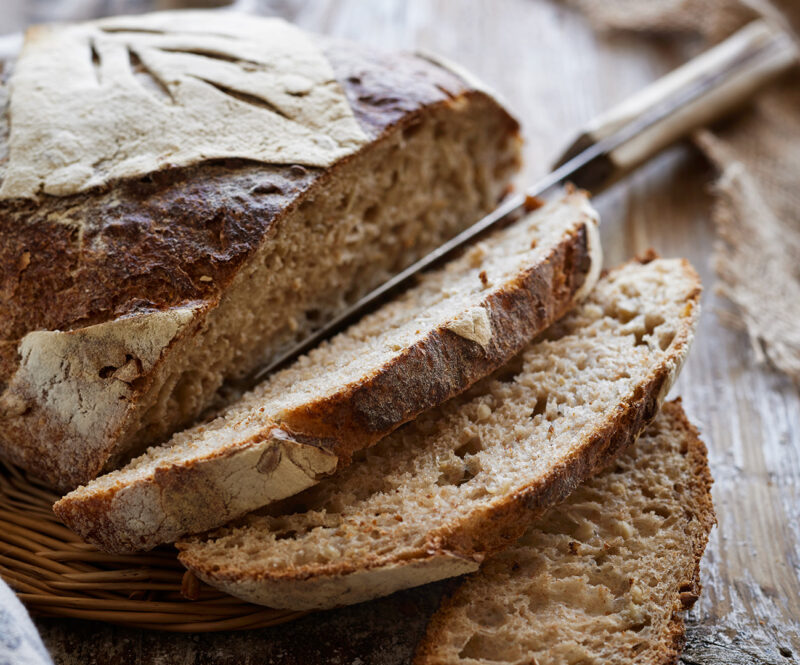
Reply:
x=556, y=73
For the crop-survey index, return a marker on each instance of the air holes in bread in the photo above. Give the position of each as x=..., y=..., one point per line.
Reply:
x=622, y=311
x=488, y=614
x=652, y=321
x=661, y=511
x=471, y=447
x=464, y=468
x=282, y=535
x=665, y=339
x=371, y=214
x=456, y=476
x=484, y=648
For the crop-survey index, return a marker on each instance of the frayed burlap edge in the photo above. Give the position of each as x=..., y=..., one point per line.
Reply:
x=755, y=260
x=757, y=256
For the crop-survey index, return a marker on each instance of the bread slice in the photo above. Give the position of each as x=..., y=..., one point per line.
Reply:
x=601, y=578
x=127, y=308
x=465, y=479
x=458, y=325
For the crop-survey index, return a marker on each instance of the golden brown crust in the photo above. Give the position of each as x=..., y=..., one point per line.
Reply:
x=702, y=509
x=686, y=592
x=172, y=239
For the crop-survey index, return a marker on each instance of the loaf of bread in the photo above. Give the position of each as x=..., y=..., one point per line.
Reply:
x=601, y=578
x=465, y=479
x=185, y=195
x=457, y=325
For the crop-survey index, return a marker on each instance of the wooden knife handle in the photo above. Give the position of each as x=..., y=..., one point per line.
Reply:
x=703, y=90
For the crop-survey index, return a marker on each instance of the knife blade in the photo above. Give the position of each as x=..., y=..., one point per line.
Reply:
x=703, y=90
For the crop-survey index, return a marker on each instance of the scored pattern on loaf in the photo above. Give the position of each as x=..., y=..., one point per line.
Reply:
x=459, y=481
x=598, y=579
x=124, y=97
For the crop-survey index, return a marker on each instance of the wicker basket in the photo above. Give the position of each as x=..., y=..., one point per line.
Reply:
x=57, y=575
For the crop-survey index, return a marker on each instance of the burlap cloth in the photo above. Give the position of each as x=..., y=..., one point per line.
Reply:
x=757, y=204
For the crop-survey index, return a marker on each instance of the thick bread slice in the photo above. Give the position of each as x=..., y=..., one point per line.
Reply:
x=465, y=479
x=601, y=578
x=127, y=307
x=457, y=326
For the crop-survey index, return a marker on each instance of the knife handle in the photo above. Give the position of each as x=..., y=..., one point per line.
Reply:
x=701, y=91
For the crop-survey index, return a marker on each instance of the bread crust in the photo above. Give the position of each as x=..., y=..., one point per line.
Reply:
x=501, y=522
x=360, y=586
x=317, y=437
x=702, y=507
x=174, y=239
x=671, y=642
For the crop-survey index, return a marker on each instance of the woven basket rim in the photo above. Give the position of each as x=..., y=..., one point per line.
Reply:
x=55, y=574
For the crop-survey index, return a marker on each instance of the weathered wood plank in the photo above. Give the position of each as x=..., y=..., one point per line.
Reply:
x=383, y=632
x=556, y=74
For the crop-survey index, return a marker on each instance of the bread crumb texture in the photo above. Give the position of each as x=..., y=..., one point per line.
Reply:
x=123, y=97
x=446, y=481
x=600, y=579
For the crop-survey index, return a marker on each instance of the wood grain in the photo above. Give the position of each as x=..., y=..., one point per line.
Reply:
x=556, y=74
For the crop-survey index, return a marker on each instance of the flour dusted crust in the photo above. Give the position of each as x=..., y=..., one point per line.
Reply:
x=359, y=586
x=123, y=97
x=281, y=465
x=474, y=324
x=85, y=376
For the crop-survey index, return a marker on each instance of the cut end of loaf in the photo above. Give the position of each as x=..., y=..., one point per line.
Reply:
x=601, y=578
x=463, y=478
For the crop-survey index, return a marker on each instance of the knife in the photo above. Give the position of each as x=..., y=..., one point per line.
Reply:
x=699, y=92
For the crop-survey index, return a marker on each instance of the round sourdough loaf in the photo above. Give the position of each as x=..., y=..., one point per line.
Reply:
x=128, y=302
